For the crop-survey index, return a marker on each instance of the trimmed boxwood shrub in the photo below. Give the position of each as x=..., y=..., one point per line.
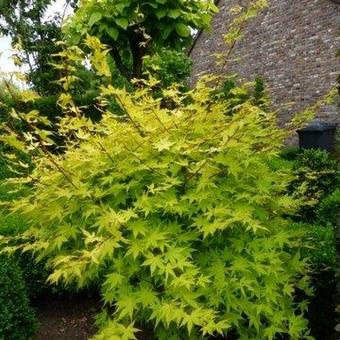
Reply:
x=291, y=153
x=316, y=183
x=318, y=244
x=317, y=176
x=328, y=211
x=17, y=319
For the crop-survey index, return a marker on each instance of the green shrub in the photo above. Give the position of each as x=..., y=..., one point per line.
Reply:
x=319, y=170
x=34, y=274
x=318, y=244
x=170, y=66
x=176, y=213
x=317, y=176
x=237, y=95
x=291, y=153
x=17, y=320
x=328, y=211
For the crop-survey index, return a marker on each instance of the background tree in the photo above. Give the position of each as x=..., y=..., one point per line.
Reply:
x=23, y=22
x=129, y=28
x=133, y=29
x=35, y=39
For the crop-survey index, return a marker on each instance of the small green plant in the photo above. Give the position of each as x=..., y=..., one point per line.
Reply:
x=240, y=93
x=17, y=320
x=259, y=94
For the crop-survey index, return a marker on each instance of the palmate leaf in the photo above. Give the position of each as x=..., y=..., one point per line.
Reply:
x=154, y=262
x=126, y=305
x=136, y=248
x=114, y=280
x=171, y=313
x=117, y=331
x=164, y=144
x=146, y=296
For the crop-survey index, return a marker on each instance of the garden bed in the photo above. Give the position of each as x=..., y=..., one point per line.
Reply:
x=66, y=317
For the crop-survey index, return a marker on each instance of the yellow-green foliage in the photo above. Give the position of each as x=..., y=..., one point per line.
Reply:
x=172, y=206
x=175, y=212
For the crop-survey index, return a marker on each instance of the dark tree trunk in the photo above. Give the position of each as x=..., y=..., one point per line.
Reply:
x=122, y=68
x=138, y=46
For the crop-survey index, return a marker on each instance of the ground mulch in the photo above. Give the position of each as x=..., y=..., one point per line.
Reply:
x=70, y=317
x=66, y=317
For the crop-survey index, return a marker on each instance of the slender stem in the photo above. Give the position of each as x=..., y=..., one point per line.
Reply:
x=129, y=116
x=206, y=160
x=232, y=47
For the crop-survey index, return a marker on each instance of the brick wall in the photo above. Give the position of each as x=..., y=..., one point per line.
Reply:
x=292, y=45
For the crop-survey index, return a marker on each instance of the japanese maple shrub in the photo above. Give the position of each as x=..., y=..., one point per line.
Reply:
x=171, y=205
x=176, y=212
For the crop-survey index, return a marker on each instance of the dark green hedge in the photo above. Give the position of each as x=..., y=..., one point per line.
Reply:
x=318, y=245
x=317, y=177
x=328, y=211
x=17, y=319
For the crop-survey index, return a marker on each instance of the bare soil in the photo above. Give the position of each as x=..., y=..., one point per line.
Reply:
x=66, y=317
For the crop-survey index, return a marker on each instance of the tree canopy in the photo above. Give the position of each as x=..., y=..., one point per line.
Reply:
x=34, y=39
x=133, y=28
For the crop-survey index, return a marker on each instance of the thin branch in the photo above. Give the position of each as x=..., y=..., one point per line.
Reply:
x=206, y=160
x=232, y=47
x=129, y=116
x=47, y=153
